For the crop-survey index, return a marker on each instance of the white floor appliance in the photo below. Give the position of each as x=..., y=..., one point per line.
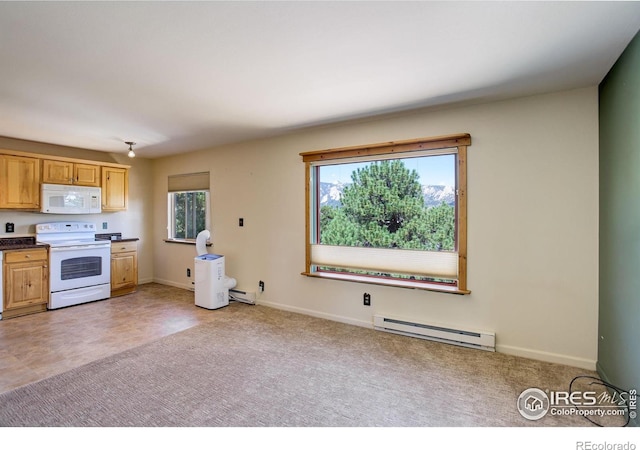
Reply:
x=211, y=292
x=211, y=284
x=79, y=265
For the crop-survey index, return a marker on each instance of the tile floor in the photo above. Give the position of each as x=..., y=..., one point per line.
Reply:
x=37, y=346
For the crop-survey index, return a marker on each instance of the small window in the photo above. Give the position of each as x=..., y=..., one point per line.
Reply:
x=189, y=214
x=392, y=213
x=188, y=205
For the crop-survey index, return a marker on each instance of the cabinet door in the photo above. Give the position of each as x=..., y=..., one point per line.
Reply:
x=57, y=172
x=26, y=284
x=63, y=172
x=124, y=270
x=86, y=174
x=19, y=182
x=115, y=189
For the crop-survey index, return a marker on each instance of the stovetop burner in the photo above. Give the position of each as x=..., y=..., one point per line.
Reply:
x=67, y=234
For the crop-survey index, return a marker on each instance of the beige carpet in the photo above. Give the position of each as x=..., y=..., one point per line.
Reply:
x=255, y=366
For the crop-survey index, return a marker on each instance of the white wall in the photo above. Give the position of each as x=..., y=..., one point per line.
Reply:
x=135, y=222
x=532, y=220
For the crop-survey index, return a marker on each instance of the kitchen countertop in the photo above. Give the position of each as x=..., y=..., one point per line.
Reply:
x=20, y=243
x=114, y=237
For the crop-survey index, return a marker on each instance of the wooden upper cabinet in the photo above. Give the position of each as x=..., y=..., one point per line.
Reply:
x=57, y=172
x=115, y=188
x=19, y=182
x=21, y=174
x=87, y=174
x=63, y=172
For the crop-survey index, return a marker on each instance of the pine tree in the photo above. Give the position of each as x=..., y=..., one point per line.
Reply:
x=190, y=213
x=384, y=208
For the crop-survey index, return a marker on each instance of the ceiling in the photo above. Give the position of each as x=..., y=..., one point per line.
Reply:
x=182, y=76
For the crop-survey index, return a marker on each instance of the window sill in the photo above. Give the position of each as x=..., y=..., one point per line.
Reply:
x=406, y=284
x=184, y=241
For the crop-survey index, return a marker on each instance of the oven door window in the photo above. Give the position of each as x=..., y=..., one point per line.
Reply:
x=82, y=267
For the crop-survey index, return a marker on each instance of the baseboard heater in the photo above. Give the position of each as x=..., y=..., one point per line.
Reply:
x=464, y=338
x=242, y=296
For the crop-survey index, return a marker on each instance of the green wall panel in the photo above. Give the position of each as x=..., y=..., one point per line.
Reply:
x=619, y=240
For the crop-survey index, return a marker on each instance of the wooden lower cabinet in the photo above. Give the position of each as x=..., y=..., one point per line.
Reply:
x=124, y=268
x=25, y=282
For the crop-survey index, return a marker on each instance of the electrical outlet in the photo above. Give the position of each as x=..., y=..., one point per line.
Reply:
x=189, y=273
x=261, y=286
x=104, y=225
x=240, y=222
x=366, y=299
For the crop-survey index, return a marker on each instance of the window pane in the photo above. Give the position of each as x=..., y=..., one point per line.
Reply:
x=189, y=214
x=402, y=203
x=180, y=200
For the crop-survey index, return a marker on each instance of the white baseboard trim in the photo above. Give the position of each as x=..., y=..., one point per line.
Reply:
x=557, y=358
x=313, y=313
x=188, y=287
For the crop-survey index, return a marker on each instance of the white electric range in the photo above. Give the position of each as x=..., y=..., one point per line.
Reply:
x=79, y=265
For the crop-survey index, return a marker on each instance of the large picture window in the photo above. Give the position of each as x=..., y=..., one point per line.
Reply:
x=391, y=213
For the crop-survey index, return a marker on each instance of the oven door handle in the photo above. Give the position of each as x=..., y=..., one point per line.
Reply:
x=78, y=247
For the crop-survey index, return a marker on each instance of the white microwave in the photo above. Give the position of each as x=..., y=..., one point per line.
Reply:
x=63, y=199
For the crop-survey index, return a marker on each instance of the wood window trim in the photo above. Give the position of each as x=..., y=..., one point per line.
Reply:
x=386, y=148
x=460, y=141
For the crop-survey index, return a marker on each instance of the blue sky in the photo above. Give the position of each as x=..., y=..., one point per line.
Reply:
x=433, y=170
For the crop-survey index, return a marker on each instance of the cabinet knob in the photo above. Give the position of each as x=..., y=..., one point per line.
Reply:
x=27, y=256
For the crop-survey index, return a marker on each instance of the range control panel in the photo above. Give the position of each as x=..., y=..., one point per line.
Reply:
x=65, y=227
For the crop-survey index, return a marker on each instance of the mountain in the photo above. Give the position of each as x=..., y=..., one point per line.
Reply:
x=331, y=193
x=434, y=195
